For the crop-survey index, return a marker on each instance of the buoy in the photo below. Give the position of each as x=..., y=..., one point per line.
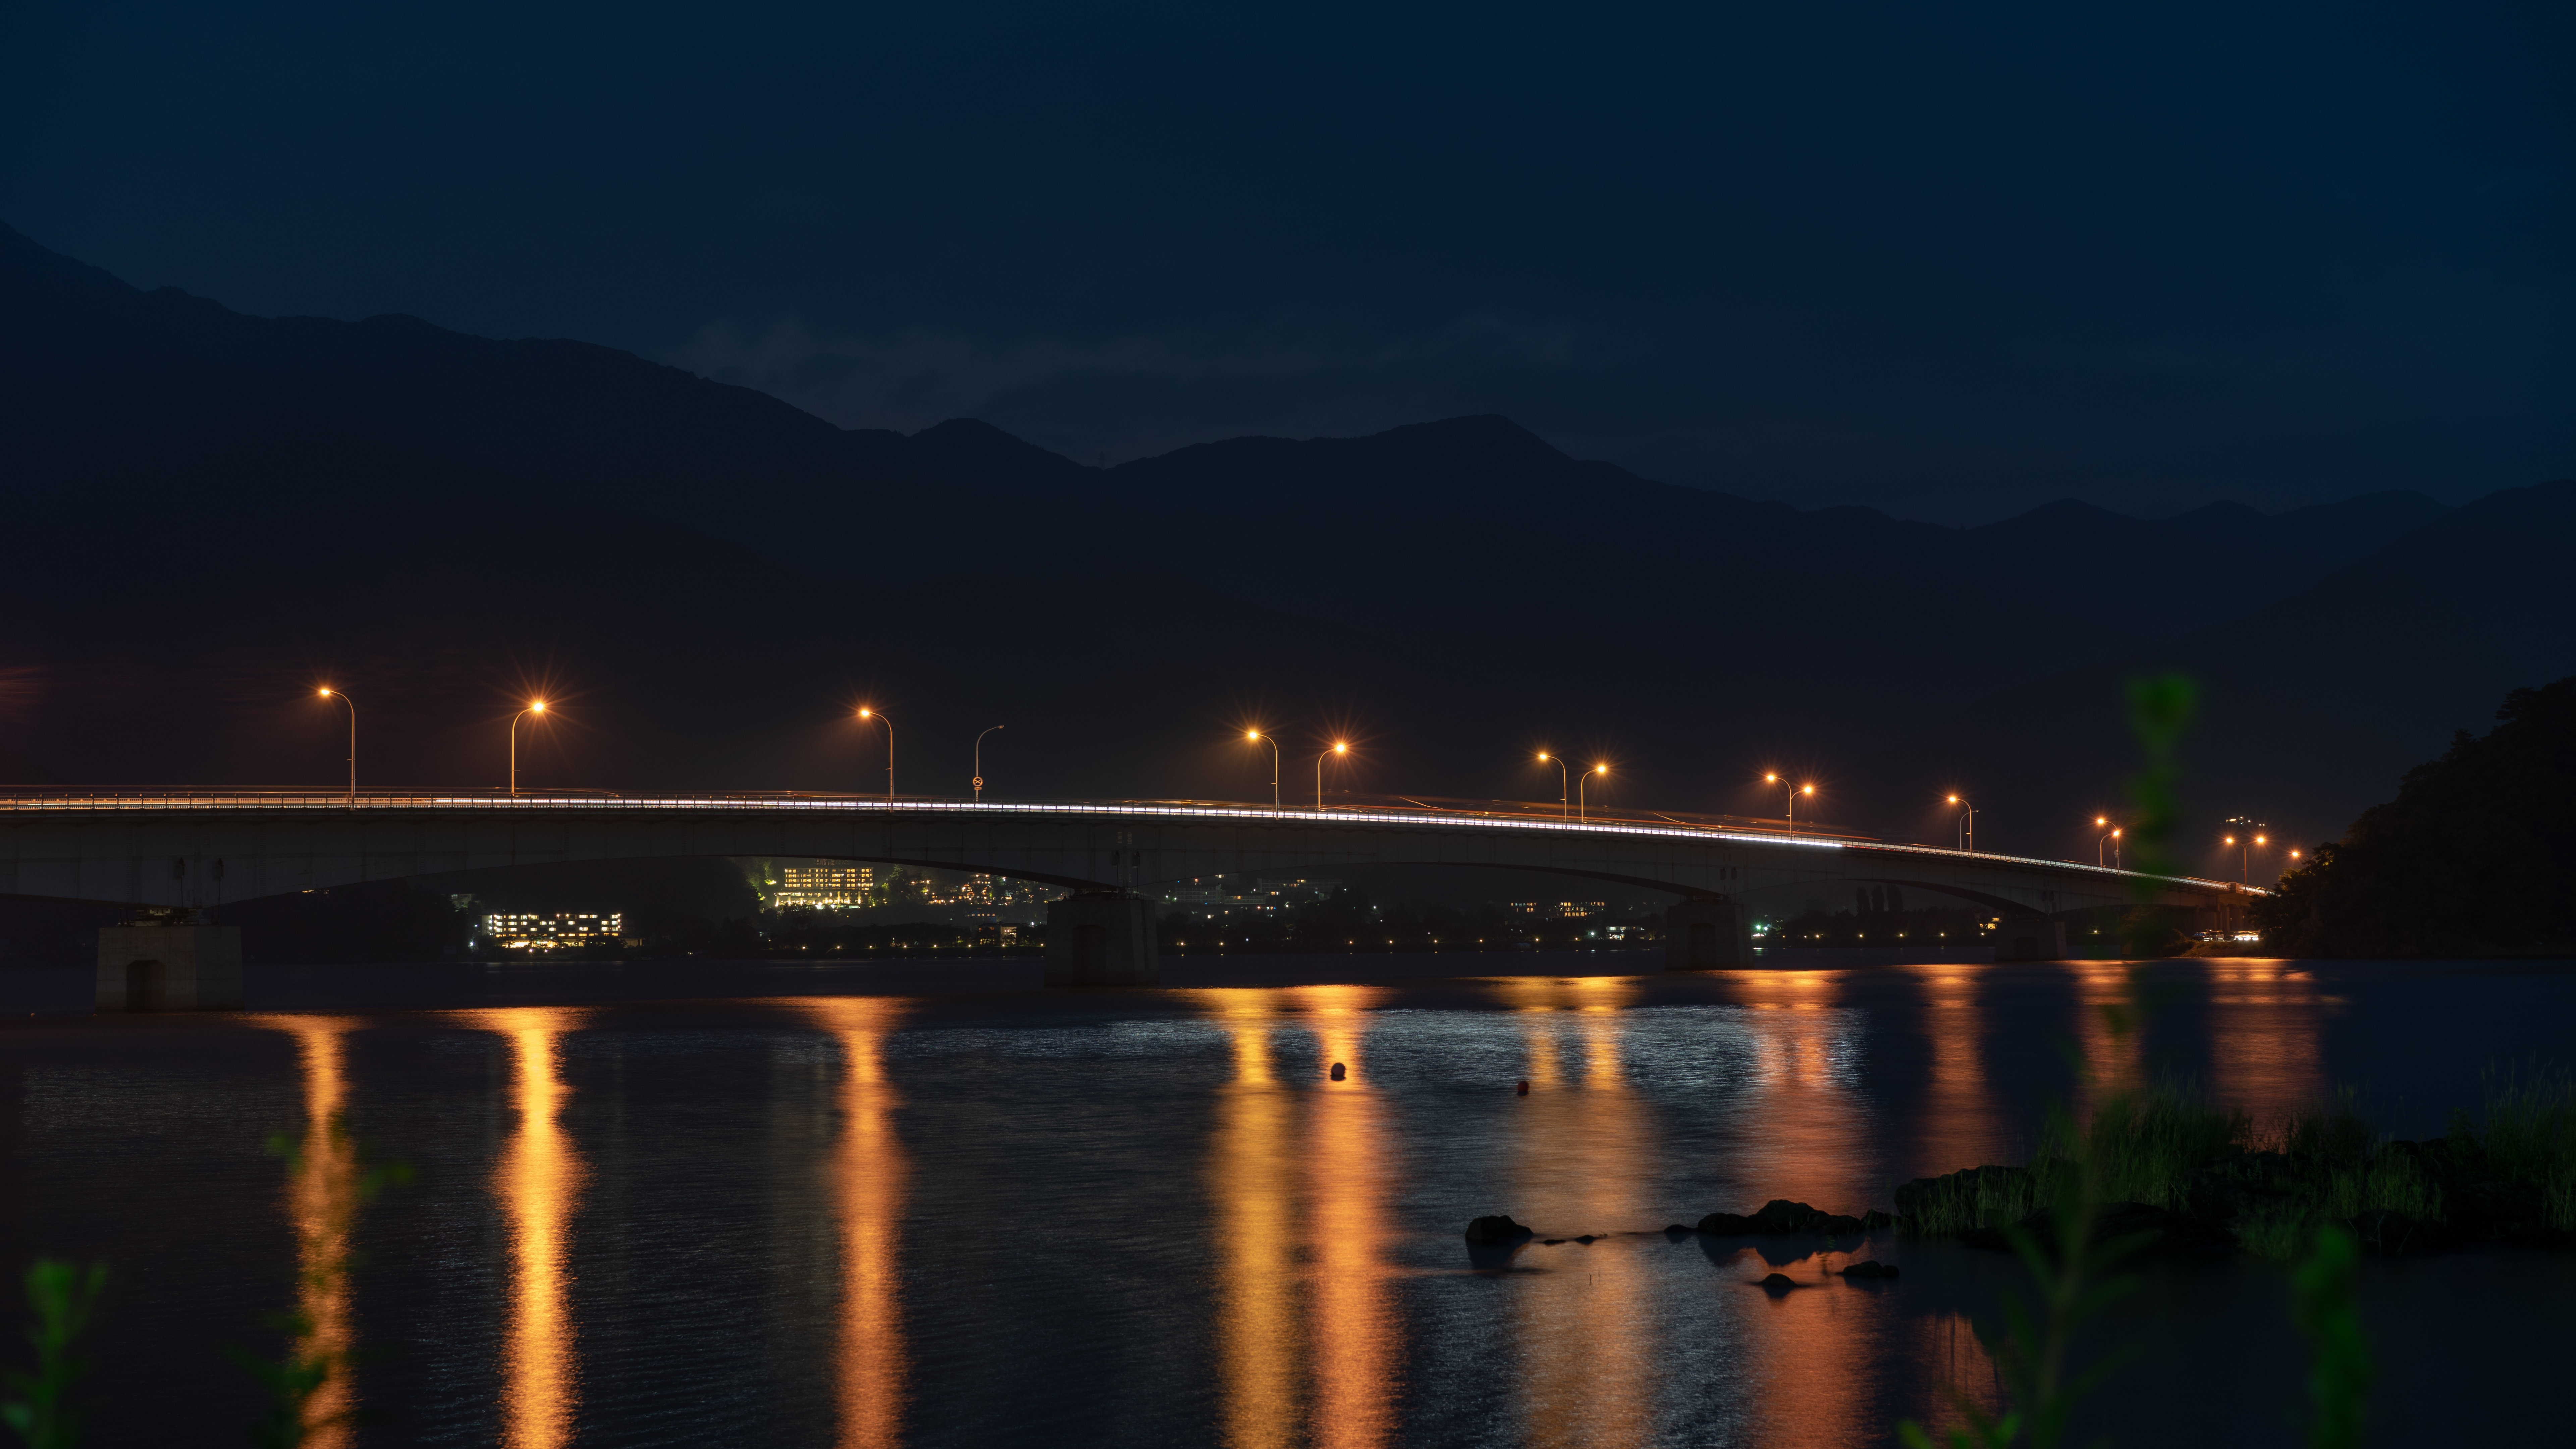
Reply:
x=1524, y=1087
x=1340, y=1071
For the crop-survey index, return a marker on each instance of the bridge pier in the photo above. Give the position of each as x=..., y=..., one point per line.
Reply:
x=1102, y=938
x=169, y=962
x=1707, y=933
x=2030, y=938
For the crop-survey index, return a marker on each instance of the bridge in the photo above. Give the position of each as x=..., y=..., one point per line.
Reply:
x=175, y=856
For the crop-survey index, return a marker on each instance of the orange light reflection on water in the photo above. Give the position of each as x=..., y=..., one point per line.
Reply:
x=322, y=1201
x=1956, y=1124
x=1308, y=1339
x=1580, y=1145
x=1251, y=1176
x=869, y=1173
x=2266, y=1020
x=1355, y=1330
x=1811, y=1123
x=538, y=1181
x=2113, y=1058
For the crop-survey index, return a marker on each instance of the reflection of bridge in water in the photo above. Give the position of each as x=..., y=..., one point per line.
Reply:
x=187, y=853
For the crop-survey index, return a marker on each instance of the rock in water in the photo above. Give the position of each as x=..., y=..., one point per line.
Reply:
x=1782, y=1216
x=1777, y=1283
x=1496, y=1229
x=1340, y=1071
x=1870, y=1268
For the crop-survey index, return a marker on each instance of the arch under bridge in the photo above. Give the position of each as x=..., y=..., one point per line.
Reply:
x=181, y=854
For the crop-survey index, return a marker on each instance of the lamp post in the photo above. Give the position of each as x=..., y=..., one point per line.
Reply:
x=1967, y=822
x=330, y=693
x=1339, y=748
x=535, y=707
x=1773, y=778
x=1256, y=736
x=867, y=713
x=2244, y=832
x=979, y=761
x=1561, y=791
x=1579, y=812
x=2112, y=840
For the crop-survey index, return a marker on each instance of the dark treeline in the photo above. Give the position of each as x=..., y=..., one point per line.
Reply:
x=687, y=906
x=1924, y=925
x=1347, y=921
x=2473, y=858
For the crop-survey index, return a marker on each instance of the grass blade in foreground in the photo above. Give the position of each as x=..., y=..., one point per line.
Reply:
x=63, y=1296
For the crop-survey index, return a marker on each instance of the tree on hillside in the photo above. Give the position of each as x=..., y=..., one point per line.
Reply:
x=2475, y=856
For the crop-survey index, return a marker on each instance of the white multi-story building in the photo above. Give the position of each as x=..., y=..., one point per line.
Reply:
x=823, y=887
x=547, y=933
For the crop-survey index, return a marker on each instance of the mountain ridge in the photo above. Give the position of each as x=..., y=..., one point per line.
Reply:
x=442, y=518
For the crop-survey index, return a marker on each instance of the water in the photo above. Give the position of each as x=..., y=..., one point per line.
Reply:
x=921, y=1203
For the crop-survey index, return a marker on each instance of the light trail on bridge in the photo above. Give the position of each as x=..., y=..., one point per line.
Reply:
x=254, y=800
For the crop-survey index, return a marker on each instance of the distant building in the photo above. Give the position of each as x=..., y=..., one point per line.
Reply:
x=549, y=933
x=1558, y=910
x=823, y=887
x=1221, y=898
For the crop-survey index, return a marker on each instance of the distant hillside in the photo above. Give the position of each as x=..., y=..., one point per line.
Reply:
x=230, y=507
x=2314, y=704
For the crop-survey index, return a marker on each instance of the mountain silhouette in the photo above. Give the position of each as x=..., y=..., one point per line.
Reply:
x=223, y=509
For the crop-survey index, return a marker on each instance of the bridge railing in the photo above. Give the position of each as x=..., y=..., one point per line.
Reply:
x=1400, y=810
x=61, y=798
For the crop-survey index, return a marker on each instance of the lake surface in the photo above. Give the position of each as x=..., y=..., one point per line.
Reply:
x=926, y=1203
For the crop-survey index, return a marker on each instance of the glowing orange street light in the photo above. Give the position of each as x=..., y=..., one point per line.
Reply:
x=1967, y=822
x=1578, y=790
x=1257, y=737
x=1773, y=778
x=2248, y=833
x=867, y=713
x=1561, y=791
x=328, y=692
x=535, y=707
x=1339, y=748
x=2112, y=840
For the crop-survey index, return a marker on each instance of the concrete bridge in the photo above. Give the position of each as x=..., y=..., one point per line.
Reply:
x=176, y=856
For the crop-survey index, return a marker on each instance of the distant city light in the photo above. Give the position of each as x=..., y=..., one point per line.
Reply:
x=529, y=932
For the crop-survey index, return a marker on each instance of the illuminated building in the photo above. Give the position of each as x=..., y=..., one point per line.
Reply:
x=529, y=932
x=1219, y=898
x=1559, y=910
x=824, y=887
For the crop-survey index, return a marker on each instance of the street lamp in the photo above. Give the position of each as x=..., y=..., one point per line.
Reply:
x=329, y=693
x=1967, y=822
x=2244, y=832
x=1561, y=791
x=535, y=707
x=1256, y=736
x=1339, y=748
x=1773, y=778
x=2112, y=840
x=979, y=762
x=866, y=713
x=1578, y=790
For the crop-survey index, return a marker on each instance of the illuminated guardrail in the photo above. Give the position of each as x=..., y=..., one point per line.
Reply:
x=264, y=801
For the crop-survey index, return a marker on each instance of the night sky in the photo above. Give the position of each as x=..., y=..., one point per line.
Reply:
x=1951, y=262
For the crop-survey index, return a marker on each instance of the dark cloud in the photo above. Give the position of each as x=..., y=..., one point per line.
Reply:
x=1948, y=262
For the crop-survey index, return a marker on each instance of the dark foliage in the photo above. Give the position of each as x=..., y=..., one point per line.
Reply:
x=1924, y=926
x=2473, y=858
x=1347, y=921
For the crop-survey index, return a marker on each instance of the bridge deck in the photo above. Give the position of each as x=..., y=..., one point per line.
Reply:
x=200, y=848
